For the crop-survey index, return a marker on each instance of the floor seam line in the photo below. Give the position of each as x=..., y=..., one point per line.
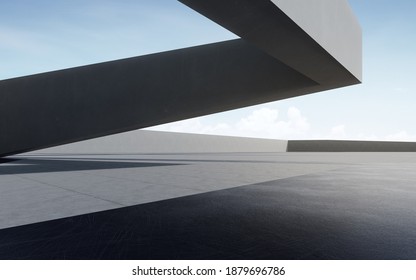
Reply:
x=70, y=190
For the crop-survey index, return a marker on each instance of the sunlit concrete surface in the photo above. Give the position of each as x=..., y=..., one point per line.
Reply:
x=42, y=187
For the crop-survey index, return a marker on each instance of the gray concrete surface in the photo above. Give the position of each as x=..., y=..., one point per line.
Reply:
x=40, y=187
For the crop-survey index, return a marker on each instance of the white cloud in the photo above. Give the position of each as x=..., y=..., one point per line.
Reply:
x=265, y=123
x=268, y=122
x=338, y=132
x=400, y=136
x=260, y=123
x=194, y=125
x=365, y=137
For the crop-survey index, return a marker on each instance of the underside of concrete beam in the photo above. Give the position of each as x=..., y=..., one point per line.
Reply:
x=275, y=59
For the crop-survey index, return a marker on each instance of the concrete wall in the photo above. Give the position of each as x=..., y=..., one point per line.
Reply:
x=349, y=146
x=146, y=141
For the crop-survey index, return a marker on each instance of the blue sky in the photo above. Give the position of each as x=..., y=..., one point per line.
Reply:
x=39, y=36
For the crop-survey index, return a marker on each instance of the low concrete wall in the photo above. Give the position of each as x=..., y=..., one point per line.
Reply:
x=349, y=146
x=146, y=141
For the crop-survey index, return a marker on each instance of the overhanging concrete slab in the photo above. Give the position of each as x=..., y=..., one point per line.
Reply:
x=275, y=59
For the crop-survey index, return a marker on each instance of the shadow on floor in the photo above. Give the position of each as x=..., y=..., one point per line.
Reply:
x=7, y=160
x=318, y=216
x=24, y=166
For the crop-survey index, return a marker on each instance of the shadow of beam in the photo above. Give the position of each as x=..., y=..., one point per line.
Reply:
x=54, y=165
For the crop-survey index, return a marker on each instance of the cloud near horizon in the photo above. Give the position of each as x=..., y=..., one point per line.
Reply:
x=269, y=123
x=260, y=123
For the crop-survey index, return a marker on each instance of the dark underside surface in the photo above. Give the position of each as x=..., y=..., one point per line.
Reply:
x=361, y=211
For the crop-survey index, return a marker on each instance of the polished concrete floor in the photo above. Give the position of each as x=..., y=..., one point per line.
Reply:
x=208, y=206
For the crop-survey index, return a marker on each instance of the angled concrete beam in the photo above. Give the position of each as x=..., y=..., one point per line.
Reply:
x=60, y=107
x=318, y=38
x=275, y=59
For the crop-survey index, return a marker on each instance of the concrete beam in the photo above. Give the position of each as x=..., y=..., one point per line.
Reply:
x=65, y=106
x=319, y=39
x=275, y=59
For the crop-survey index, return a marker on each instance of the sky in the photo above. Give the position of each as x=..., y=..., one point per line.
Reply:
x=44, y=35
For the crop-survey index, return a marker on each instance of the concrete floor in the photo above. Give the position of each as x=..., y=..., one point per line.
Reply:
x=276, y=205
